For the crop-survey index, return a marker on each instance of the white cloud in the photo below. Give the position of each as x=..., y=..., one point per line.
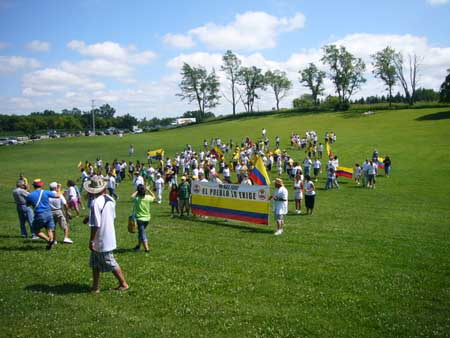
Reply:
x=437, y=2
x=39, y=46
x=179, y=40
x=112, y=51
x=74, y=84
x=11, y=64
x=52, y=81
x=98, y=67
x=248, y=31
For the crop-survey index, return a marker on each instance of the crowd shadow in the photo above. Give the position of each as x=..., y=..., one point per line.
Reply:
x=63, y=289
x=443, y=115
x=243, y=228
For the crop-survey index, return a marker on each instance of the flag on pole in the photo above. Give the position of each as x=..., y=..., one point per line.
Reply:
x=217, y=152
x=344, y=172
x=157, y=154
x=259, y=174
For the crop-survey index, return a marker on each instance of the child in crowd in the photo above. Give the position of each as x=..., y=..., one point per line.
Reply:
x=173, y=199
x=357, y=174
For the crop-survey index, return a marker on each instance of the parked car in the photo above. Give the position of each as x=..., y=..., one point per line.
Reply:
x=3, y=141
x=87, y=133
x=99, y=132
x=35, y=137
x=53, y=134
x=78, y=133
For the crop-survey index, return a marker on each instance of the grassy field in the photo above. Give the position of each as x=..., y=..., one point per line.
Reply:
x=368, y=263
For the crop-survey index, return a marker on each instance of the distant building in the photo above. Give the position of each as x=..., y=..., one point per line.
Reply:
x=184, y=120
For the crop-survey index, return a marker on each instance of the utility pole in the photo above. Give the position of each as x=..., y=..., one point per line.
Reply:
x=93, y=117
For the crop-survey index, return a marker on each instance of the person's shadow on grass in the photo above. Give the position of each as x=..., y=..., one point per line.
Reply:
x=63, y=289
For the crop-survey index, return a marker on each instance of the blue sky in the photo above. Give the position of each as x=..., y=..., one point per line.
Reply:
x=61, y=54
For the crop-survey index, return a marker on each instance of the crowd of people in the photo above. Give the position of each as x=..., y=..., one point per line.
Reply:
x=215, y=161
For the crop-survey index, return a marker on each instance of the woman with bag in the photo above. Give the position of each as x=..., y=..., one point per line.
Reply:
x=142, y=198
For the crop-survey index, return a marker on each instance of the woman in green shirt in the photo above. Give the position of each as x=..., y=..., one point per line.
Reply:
x=142, y=198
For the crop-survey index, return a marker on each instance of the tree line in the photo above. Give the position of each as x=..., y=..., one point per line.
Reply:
x=345, y=71
x=75, y=119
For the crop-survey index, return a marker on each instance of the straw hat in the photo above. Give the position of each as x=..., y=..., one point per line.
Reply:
x=94, y=186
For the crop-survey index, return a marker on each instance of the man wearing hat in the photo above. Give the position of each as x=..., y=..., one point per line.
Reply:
x=25, y=212
x=280, y=205
x=184, y=194
x=43, y=217
x=103, y=235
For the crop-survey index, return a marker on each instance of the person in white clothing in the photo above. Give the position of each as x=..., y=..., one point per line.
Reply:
x=280, y=205
x=59, y=208
x=103, y=236
x=159, y=187
x=298, y=190
x=138, y=179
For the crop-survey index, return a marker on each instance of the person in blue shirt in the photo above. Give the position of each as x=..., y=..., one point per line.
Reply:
x=42, y=212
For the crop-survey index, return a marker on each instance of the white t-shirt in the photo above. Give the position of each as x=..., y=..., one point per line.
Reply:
x=111, y=182
x=72, y=193
x=57, y=203
x=102, y=215
x=280, y=205
x=226, y=172
x=159, y=183
x=309, y=188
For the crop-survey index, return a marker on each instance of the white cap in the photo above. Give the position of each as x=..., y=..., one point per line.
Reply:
x=53, y=185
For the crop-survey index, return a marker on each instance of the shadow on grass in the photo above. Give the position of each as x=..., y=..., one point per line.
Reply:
x=443, y=115
x=243, y=228
x=63, y=289
x=21, y=248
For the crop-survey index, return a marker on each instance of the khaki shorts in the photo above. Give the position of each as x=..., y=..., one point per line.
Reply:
x=103, y=261
x=59, y=218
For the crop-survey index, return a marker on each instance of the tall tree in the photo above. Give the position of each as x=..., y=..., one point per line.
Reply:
x=252, y=79
x=384, y=68
x=346, y=71
x=198, y=85
x=444, y=93
x=279, y=83
x=312, y=78
x=231, y=66
x=409, y=80
x=106, y=111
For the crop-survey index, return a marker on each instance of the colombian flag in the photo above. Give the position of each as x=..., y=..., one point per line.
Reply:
x=344, y=172
x=157, y=154
x=380, y=163
x=217, y=152
x=329, y=152
x=259, y=174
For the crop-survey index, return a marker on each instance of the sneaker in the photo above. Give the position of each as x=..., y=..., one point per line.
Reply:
x=24, y=235
x=34, y=237
x=67, y=241
x=298, y=212
x=137, y=248
x=277, y=233
x=50, y=244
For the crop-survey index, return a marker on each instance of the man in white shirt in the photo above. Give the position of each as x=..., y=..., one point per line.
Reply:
x=159, y=187
x=103, y=235
x=280, y=205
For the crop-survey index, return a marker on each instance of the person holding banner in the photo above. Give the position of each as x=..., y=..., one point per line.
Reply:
x=280, y=205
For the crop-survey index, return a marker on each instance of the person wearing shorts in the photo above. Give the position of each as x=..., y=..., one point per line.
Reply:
x=43, y=217
x=59, y=208
x=103, y=235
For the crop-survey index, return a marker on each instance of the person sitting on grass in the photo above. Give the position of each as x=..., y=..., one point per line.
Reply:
x=103, y=235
